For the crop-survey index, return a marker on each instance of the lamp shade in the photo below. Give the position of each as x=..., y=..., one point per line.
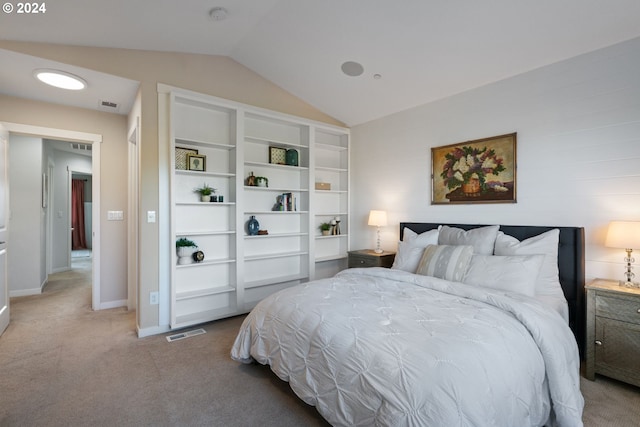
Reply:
x=623, y=235
x=378, y=218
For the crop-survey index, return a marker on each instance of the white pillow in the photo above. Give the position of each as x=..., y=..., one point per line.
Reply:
x=411, y=247
x=445, y=261
x=546, y=244
x=482, y=239
x=507, y=273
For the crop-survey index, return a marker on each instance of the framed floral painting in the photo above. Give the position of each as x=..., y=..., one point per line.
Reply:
x=479, y=171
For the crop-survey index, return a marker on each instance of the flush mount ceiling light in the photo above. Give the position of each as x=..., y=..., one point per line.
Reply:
x=352, y=69
x=60, y=79
x=218, y=13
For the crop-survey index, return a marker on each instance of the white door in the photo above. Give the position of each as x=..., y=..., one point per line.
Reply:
x=4, y=232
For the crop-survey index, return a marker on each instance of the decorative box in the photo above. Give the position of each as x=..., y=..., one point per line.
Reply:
x=323, y=186
x=277, y=156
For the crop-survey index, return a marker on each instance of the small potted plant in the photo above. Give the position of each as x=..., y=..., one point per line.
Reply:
x=325, y=227
x=262, y=181
x=185, y=249
x=205, y=192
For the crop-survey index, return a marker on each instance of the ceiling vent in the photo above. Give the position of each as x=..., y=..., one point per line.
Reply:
x=109, y=106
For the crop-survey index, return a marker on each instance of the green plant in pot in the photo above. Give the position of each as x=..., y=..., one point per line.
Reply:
x=262, y=181
x=185, y=249
x=325, y=227
x=205, y=192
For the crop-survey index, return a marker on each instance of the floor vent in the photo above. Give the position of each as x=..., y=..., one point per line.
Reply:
x=183, y=335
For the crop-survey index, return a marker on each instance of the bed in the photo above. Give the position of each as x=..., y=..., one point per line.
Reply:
x=445, y=344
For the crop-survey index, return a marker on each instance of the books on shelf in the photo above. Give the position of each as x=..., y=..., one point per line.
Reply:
x=286, y=202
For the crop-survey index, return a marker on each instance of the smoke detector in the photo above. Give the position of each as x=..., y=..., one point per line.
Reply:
x=218, y=13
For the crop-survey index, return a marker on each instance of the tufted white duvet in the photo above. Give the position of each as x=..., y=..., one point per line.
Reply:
x=384, y=347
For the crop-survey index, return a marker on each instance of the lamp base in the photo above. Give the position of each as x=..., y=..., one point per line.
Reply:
x=378, y=251
x=628, y=284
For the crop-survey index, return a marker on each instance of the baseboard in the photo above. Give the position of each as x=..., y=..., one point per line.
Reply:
x=155, y=330
x=25, y=292
x=113, y=304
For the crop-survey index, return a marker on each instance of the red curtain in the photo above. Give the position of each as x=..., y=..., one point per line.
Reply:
x=78, y=238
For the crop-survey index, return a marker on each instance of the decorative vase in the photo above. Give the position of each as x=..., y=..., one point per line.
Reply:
x=292, y=157
x=185, y=254
x=253, y=226
x=472, y=187
x=204, y=198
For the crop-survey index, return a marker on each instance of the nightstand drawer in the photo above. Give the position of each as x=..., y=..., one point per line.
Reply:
x=617, y=308
x=368, y=258
x=362, y=261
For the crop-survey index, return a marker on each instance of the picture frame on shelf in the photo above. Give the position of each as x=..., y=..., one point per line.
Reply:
x=472, y=172
x=196, y=162
x=181, y=157
x=277, y=156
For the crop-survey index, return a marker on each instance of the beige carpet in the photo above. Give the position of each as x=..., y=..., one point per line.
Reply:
x=62, y=364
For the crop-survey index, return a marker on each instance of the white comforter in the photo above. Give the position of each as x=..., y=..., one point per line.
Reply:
x=384, y=347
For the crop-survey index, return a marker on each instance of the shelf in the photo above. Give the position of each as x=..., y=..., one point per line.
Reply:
x=239, y=270
x=199, y=173
x=273, y=143
x=267, y=282
x=275, y=189
x=197, y=318
x=330, y=147
x=331, y=258
x=274, y=212
x=267, y=236
x=331, y=214
x=206, y=262
x=331, y=191
x=180, y=296
x=205, y=233
x=331, y=236
x=325, y=168
x=205, y=144
x=275, y=255
x=275, y=166
x=208, y=204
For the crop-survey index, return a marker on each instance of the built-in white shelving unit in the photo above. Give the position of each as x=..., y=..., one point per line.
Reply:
x=237, y=141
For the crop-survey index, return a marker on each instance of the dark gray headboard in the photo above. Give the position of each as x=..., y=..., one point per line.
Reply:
x=570, y=263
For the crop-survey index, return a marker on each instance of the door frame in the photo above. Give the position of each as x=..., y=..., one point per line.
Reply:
x=96, y=141
x=132, y=226
x=5, y=310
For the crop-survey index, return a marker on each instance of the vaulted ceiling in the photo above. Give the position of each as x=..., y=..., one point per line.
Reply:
x=412, y=51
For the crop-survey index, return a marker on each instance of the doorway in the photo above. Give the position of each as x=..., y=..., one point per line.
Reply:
x=81, y=220
x=84, y=138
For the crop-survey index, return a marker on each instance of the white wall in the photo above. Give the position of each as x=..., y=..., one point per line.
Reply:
x=26, y=268
x=578, y=153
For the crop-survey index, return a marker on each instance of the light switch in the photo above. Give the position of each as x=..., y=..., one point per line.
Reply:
x=115, y=216
x=151, y=216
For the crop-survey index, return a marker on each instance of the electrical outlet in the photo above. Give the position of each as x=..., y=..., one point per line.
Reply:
x=153, y=298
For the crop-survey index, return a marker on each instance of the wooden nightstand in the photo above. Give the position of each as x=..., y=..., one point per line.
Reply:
x=368, y=258
x=613, y=331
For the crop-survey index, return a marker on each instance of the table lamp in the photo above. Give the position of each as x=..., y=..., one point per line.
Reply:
x=625, y=235
x=378, y=219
